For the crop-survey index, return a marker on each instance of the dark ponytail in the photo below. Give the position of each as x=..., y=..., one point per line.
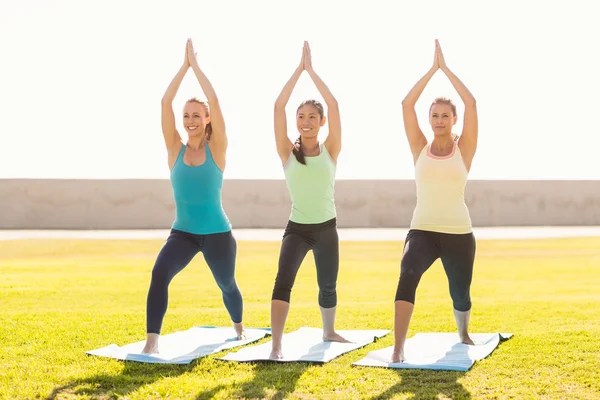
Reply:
x=298, y=152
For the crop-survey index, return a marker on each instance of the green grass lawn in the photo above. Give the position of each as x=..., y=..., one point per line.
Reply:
x=60, y=298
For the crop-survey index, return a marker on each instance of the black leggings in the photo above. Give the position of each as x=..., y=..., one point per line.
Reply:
x=423, y=248
x=298, y=239
x=219, y=250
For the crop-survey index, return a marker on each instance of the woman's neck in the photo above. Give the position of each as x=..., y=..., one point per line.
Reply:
x=441, y=143
x=196, y=142
x=310, y=146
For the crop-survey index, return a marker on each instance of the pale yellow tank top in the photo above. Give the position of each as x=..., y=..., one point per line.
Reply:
x=441, y=185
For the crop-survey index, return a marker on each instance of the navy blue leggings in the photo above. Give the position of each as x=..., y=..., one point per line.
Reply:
x=219, y=250
x=298, y=239
x=422, y=248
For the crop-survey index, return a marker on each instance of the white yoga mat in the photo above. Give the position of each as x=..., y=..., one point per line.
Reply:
x=307, y=345
x=183, y=347
x=441, y=351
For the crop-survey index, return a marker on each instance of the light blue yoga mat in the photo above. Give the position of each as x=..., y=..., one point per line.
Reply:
x=183, y=347
x=440, y=351
x=307, y=345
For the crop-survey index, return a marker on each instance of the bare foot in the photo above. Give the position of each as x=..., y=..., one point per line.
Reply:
x=467, y=340
x=334, y=337
x=151, y=346
x=239, y=331
x=276, y=355
x=398, y=354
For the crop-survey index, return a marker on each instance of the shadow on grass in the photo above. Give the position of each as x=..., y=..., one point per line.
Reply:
x=273, y=380
x=427, y=384
x=132, y=377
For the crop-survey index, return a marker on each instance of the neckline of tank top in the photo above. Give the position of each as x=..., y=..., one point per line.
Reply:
x=446, y=157
x=321, y=146
x=207, y=151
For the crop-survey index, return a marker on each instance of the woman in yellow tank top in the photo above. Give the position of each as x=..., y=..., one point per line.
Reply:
x=441, y=225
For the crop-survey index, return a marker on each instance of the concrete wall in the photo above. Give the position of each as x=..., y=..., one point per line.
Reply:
x=148, y=204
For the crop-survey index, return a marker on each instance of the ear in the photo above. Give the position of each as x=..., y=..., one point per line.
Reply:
x=454, y=120
x=323, y=120
x=208, y=120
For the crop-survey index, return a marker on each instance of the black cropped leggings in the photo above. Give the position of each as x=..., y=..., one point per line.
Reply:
x=298, y=239
x=423, y=248
x=219, y=250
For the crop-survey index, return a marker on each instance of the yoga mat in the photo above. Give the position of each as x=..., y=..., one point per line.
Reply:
x=184, y=346
x=439, y=351
x=307, y=345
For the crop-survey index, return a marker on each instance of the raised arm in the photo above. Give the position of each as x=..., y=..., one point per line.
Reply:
x=334, y=139
x=282, y=141
x=171, y=136
x=416, y=138
x=468, y=139
x=218, y=140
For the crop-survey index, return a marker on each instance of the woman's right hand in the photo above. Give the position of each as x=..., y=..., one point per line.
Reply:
x=436, y=61
x=301, y=66
x=186, y=60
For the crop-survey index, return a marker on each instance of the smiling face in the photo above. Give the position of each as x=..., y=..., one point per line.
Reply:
x=195, y=118
x=309, y=119
x=442, y=117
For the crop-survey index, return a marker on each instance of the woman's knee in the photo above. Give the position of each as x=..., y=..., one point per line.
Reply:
x=282, y=289
x=282, y=294
x=328, y=297
x=162, y=269
x=407, y=285
x=461, y=299
x=228, y=286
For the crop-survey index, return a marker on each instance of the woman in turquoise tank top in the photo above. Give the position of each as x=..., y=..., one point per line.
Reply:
x=441, y=225
x=200, y=224
x=310, y=176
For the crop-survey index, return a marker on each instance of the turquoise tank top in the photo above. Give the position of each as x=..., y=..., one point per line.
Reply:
x=311, y=188
x=197, y=194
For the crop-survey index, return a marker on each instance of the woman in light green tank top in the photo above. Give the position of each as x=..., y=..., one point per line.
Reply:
x=310, y=169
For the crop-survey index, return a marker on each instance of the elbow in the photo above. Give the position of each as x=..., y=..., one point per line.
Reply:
x=333, y=103
x=166, y=101
x=472, y=103
x=408, y=101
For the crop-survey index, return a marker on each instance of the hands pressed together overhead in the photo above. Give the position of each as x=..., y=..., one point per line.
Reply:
x=438, y=59
x=306, y=60
x=190, y=55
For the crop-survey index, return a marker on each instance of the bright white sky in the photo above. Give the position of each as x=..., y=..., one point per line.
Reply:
x=81, y=82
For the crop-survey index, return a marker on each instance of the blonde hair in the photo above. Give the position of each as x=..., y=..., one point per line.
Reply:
x=446, y=101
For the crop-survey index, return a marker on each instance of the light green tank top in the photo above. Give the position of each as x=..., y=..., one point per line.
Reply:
x=311, y=188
